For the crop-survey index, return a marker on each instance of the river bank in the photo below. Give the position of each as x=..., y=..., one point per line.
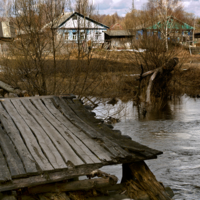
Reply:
x=175, y=131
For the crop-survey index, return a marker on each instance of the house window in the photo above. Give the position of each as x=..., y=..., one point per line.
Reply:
x=74, y=36
x=97, y=35
x=82, y=35
x=66, y=36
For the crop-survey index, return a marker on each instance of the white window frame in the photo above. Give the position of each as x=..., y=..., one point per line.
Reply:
x=66, y=35
x=98, y=34
x=82, y=35
x=74, y=35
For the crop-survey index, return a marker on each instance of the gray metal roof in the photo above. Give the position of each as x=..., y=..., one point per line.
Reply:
x=120, y=33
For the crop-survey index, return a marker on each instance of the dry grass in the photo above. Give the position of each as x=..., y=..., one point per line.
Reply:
x=108, y=75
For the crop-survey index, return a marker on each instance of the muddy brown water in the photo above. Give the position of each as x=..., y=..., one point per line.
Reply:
x=176, y=132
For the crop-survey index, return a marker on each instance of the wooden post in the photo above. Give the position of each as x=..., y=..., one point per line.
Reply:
x=141, y=179
x=126, y=173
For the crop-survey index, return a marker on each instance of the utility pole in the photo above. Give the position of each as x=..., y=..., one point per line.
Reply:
x=133, y=5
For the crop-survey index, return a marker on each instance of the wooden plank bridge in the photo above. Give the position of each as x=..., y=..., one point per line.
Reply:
x=52, y=138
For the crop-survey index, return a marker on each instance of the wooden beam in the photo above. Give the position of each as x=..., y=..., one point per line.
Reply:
x=49, y=177
x=7, y=87
x=40, y=97
x=87, y=184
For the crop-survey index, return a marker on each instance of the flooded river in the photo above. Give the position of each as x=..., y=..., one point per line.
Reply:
x=176, y=132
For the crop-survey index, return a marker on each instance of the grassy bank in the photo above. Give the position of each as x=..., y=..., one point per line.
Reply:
x=103, y=74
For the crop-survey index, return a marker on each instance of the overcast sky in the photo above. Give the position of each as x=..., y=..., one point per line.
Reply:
x=124, y=6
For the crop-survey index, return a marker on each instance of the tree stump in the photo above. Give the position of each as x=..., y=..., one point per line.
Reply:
x=141, y=180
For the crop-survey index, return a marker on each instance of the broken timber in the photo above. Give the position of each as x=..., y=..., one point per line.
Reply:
x=53, y=138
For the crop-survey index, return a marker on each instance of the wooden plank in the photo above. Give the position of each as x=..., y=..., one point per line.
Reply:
x=7, y=87
x=14, y=162
x=14, y=135
x=111, y=147
x=99, y=151
x=139, y=150
x=73, y=141
x=25, y=133
x=38, y=142
x=50, y=177
x=39, y=97
x=4, y=171
x=62, y=146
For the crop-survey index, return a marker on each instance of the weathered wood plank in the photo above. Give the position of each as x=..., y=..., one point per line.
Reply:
x=100, y=152
x=62, y=146
x=141, y=152
x=7, y=87
x=26, y=134
x=4, y=171
x=42, y=148
x=112, y=147
x=73, y=141
x=39, y=97
x=14, y=135
x=14, y=162
x=49, y=178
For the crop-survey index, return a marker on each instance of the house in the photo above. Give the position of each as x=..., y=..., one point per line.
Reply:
x=7, y=31
x=177, y=30
x=75, y=27
x=197, y=38
x=7, y=34
x=119, y=38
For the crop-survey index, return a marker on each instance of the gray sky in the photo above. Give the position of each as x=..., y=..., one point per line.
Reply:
x=124, y=6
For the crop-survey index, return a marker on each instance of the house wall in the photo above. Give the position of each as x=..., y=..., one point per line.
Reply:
x=89, y=31
x=96, y=36
x=184, y=33
x=122, y=42
x=81, y=23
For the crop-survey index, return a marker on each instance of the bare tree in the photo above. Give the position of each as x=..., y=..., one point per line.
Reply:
x=164, y=10
x=34, y=44
x=41, y=60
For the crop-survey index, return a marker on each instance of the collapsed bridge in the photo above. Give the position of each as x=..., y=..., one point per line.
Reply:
x=54, y=138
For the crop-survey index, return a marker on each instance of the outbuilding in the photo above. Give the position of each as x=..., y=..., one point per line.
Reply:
x=119, y=38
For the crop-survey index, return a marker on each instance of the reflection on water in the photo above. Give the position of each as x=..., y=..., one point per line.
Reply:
x=176, y=132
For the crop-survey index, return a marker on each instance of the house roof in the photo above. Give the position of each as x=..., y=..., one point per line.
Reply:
x=119, y=33
x=52, y=138
x=116, y=26
x=64, y=17
x=172, y=23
